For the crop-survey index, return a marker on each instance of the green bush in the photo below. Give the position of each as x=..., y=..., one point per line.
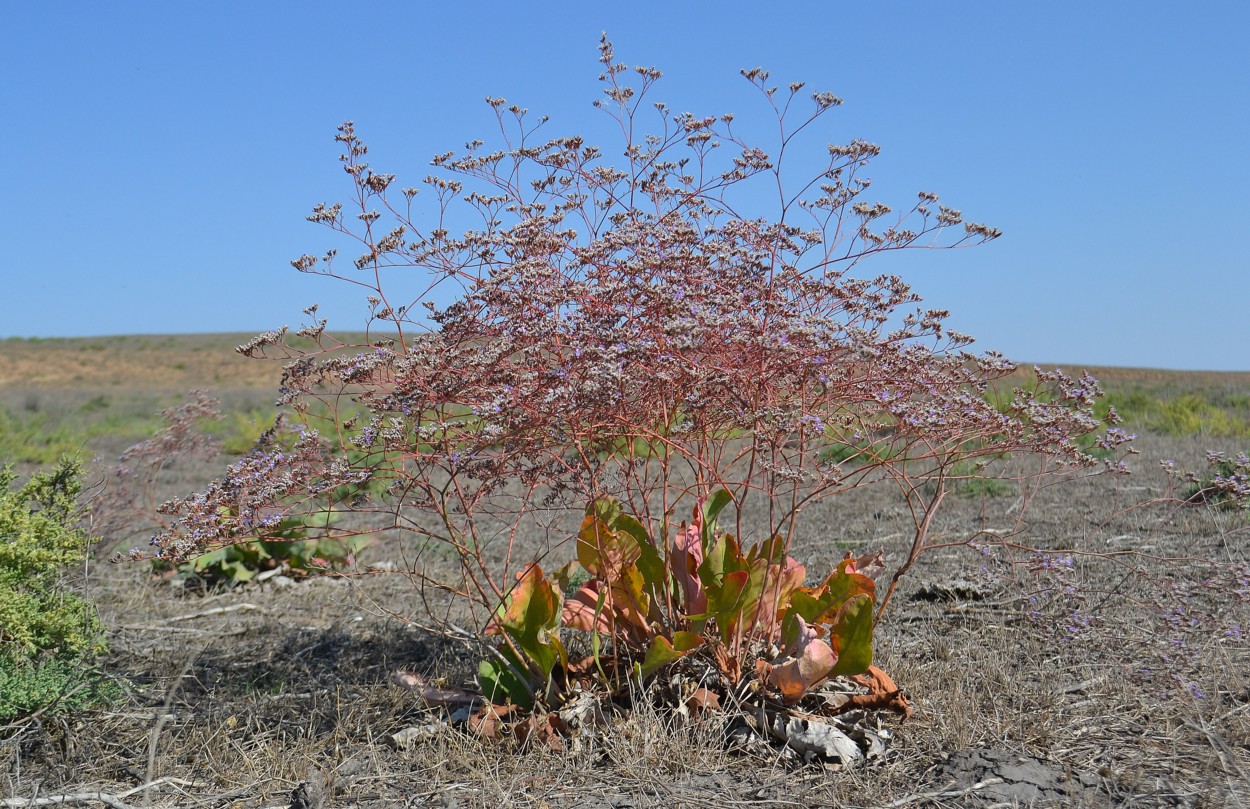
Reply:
x=47, y=633
x=55, y=683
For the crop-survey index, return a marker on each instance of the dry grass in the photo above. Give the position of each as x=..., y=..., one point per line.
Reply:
x=240, y=705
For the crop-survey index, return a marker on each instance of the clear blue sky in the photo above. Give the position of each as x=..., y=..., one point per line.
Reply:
x=160, y=157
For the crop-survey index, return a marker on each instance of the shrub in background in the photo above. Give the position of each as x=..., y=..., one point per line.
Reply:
x=1225, y=483
x=127, y=506
x=635, y=339
x=48, y=634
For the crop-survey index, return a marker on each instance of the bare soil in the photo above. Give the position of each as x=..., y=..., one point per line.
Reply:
x=1030, y=688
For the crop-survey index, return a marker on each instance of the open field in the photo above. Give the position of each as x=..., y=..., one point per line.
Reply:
x=1025, y=694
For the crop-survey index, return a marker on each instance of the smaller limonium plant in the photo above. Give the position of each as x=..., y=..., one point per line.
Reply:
x=631, y=341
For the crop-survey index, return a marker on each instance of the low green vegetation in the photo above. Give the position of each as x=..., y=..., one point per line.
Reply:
x=49, y=635
x=1207, y=412
x=37, y=435
x=866, y=451
x=970, y=480
x=1224, y=484
x=239, y=430
x=296, y=554
x=720, y=598
x=1176, y=407
x=27, y=438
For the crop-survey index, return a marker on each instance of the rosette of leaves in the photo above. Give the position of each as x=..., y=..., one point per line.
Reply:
x=747, y=610
x=290, y=546
x=1225, y=484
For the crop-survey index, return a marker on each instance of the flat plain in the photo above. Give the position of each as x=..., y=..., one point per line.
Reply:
x=1086, y=689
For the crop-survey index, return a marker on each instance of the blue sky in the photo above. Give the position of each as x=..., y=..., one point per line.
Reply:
x=161, y=157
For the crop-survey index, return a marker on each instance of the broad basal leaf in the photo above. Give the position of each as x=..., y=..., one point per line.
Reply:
x=851, y=636
x=662, y=651
x=812, y=666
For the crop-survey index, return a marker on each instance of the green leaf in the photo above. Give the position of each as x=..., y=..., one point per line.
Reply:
x=500, y=684
x=570, y=576
x=713, y=507
x=773, y=550
x=662, y=651
x=630, y=525
x=722, y=556
x=686, y=642
x=321, y=519
x=841, y=587
x=741, y=591
x=851, y=636
x=727, y=599
x=821, y=605
x=602, y=550
x=654, y=572
x=530, y=615
x=803, y=603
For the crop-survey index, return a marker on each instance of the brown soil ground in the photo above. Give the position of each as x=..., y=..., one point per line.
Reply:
x=1025, y=693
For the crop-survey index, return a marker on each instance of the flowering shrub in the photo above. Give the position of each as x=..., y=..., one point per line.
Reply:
x=124, y=506
x=1226, y=483
x=632, y=334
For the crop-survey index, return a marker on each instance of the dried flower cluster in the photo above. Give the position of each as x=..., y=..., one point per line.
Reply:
x=631, y=328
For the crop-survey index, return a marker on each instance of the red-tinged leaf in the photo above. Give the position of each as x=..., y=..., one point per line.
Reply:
x=883, y=693
x=686, y=642
x=841, y=585
x=530, y=615
x=603, y=551
x=487, y=720
x=589, y=664
x=686, y=556
x=587, y=610
x=871, y=564
x=621, y=604
x=546, y=731
x=780, y=582
x=629, y=601
x=532, y=605
x=701, y=701
x=822, y=604
x=767, y=592
x=796, y=633
x=798, y=675
x=728, y=663
x=431, y=694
